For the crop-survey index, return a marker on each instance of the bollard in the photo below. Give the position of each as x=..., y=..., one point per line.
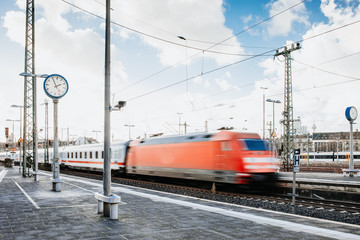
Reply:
x=113, y=200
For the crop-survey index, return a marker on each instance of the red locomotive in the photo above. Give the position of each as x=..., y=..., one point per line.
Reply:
x=227, y=157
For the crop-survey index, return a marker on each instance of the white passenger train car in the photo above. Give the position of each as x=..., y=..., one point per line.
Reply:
x=329, y=157
x=91, y=156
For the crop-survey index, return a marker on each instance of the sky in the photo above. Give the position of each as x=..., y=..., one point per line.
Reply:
x=211, y=77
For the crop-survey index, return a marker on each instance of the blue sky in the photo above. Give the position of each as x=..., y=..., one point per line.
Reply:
x=70, y=42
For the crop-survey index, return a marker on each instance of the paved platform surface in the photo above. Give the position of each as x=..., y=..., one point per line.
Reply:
x=30, y=210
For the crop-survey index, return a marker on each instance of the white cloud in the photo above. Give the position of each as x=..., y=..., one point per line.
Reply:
x=223, y=84
x=283, y=23
x=14, y=23
x=189, y=19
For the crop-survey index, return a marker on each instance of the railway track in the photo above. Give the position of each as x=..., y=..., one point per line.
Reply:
x=320, y=208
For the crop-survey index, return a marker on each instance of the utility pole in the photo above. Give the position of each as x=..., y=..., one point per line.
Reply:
x=179, y=121
x=107, y=202
x=185, y=127
x=288, y=120
x=130, y=126
x=264, y=88
x=30, y=124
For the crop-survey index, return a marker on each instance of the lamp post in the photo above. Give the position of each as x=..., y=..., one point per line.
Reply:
x=13, y=135
x=130, y=126
x=20, y=139
x=34, y=126
x=273, y=101
x=263, y=88
x=179, y=121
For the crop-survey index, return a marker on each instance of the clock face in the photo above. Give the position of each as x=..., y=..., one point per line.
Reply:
x=353, y=113
x=56, y=86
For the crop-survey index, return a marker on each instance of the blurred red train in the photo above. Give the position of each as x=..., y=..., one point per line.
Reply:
x=227, y=157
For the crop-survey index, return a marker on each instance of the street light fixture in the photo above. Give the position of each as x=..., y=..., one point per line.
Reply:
x=25, y=74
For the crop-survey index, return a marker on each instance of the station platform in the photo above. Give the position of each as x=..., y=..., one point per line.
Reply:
x=320, y=177
x=30, y=210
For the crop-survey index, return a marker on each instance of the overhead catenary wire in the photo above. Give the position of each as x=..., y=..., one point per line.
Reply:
x=237, y=62
x=202, y=50
x=305, y=40
x=155, y=37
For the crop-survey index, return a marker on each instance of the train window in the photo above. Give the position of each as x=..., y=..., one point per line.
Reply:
x=90, y=155
x=96, y=154
x=72, y=155
x=256, y=145
x=85, y=154
x=68, y=155
x=80, y=154
x=76, y=155
x=102, y=154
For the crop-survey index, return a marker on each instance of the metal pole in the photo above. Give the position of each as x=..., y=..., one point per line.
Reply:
x=35, y=135
x=263, y=88
x=351, y=162
x=12, y=137
x=179, y=121
x=46, y=132
x=20, y=137
x=56, y=168
x=308, y=157
x=264, y=114
x=107, y=130
x=293, y=193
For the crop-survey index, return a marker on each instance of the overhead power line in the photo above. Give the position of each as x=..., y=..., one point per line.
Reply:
x=155, y=37
x=243, y=60
x=201, y=50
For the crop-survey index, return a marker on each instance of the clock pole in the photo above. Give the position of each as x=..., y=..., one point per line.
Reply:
x=56, y=181
x=351, y=115
x=351, y=162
